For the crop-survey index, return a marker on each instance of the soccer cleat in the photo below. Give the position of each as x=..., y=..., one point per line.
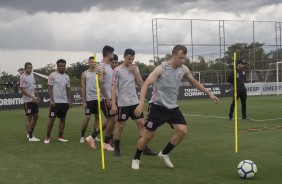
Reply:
x=108, y=147
x=33, y=139
x=166, y=159
x=117, y=152
x=27, y=136
x=91, y=142
x=61, y=139
x=148, y=151
x=135, y=164
x=82, y=140
x=47, y=140
x=245, y=118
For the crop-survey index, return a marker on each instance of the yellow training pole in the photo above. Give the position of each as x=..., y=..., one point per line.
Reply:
x=100, y=117
x=235, y=103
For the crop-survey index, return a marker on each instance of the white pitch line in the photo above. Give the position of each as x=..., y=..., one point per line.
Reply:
x=206, y=116
x=221, y=117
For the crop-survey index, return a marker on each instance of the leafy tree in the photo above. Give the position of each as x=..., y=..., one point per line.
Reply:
x=47, y=70
x=76, y=69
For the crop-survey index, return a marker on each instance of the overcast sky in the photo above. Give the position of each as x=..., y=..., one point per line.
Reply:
x=42, y=31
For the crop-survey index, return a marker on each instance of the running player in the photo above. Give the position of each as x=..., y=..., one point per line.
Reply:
x=105, y=73
x=60, y=93
x=89, y=98
x=30, y=100
x=126, y=76
x=166, y=79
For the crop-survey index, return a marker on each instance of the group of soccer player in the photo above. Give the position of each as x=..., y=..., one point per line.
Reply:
x=119, y=100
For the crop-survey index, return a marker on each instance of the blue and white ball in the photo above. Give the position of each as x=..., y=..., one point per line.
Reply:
x=247, y=169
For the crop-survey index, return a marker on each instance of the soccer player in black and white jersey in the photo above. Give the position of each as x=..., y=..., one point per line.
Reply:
x=60, y=93
x=114, y=62
x=105, y=73
x=126, y=78
x=30, y=99
x=89, y=98
x=166, y=79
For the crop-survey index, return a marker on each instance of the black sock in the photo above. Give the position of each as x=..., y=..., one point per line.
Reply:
x=60, y=134
x=107, y=139
x=95, y=133
x=117, y=144
x=32, y=130
x=83, y=132
x=48, y=134
x=30, y=134
x=138, y=154
x=168, y=148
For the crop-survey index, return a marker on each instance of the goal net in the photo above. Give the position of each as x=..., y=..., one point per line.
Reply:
x=266, y=81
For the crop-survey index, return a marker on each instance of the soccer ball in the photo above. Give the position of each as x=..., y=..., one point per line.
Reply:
x=247, y=169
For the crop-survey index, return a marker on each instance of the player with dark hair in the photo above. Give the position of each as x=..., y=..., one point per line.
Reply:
x=30, y=100
x=60, y=93
x=125, y=78
x=89, y=98
x=105, y=73
x=114, y=62
x=166, y=79
x=241, y=89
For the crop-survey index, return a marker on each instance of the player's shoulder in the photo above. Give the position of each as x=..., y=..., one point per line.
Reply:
x=53, y=73
x=23, y=75
x=118, y=68
x=185, y=68
x=66, y=75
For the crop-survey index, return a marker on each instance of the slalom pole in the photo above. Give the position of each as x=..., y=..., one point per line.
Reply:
x=100, y=117
x=235, y=103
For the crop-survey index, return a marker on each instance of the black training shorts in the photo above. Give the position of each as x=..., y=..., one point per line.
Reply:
x=59, y=111
x=125, y=112
x=158, y=115
x=30, y=108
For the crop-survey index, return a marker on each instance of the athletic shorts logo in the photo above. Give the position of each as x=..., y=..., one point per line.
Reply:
x=150, y=124
x=29, y=111
x=87, y=110
x=52, y=114
x=123, y=116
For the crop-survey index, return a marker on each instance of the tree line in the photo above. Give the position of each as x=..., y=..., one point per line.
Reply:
x=255, y=54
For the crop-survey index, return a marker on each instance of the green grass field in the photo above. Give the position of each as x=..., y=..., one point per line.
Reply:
x=207, y=155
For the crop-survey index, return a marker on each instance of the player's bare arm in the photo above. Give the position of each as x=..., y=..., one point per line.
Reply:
x=69, y=96
x=83, y=90
x=36, y=95
x=34, y=98
x=198, y=85
x=50, y=92
x=137, y=75
x=101, y=73
x=113, y=93
x=157, y=72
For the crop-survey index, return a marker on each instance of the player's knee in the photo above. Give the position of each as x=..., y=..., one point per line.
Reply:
x=149, y=136
x=87, y=118
x=120, y=126
x=182, y=131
